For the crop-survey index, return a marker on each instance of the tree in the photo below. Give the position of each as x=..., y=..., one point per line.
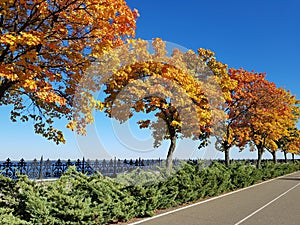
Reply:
x=235, y=130
x=179, y=90
x=269, y=112
x=290, y=143
x=294, y=145
x=289, y=140
x=46, y=46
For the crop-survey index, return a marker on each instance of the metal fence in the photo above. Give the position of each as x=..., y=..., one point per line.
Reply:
x=44, y=169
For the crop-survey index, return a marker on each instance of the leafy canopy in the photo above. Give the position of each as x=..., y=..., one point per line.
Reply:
x=183, y=90
x=45, y=48
x=259, y=113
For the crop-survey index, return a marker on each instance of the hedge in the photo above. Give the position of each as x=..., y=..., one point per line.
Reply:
x=76, y=198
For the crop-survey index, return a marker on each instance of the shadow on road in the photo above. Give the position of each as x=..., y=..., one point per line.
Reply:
x=290, y=178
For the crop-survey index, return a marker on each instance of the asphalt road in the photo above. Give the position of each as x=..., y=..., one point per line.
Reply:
x=275, y=202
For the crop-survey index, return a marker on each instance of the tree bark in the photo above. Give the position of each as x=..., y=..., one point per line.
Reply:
x=260, y=150
x=170, y=153
x=273, y=153
x=285, y=156
x=227, y=158
x=293, y=157
x=274, y=156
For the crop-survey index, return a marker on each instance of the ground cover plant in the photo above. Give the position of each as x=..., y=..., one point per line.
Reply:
x=76, y=198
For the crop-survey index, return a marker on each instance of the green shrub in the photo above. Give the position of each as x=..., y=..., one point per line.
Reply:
x=7, y=217
x=243, y=175
x=76, y=198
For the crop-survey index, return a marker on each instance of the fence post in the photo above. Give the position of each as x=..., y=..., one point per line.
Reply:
x=82, y=167
x=115, y=167
x=41, y=168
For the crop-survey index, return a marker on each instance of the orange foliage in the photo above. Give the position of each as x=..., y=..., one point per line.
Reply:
x=47, y=45
x=259, y=113
x=174, y=87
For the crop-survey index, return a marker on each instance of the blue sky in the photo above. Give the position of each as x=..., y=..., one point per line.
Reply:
x=255, y=35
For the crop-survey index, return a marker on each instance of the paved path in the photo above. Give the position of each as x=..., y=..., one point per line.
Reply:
x=275, y=202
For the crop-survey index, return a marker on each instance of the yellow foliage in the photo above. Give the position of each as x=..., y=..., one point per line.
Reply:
x=185, y=89
x=46, y=48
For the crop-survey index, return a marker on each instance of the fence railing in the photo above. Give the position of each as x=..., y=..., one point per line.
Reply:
x=44, y=169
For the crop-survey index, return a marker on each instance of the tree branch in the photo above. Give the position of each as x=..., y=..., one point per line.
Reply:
x=5, y=86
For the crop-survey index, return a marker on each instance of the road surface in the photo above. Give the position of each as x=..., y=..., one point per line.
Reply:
x=275, y=202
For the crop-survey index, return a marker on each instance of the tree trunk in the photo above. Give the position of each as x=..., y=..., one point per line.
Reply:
x=260, y=150
x=273, y=153
x=227, y=159
x=293, y=157
x=170, y=153
x=274, y=157
x=285, y=156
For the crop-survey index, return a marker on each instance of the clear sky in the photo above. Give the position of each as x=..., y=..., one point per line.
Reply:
x=255, y=35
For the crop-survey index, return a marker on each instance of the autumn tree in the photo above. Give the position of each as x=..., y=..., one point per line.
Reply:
x=284, y=120
x=179, y=89
x=290, y=143
x=262, y=113
x=234, y=130
x=294, y=145
x=45, y=48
